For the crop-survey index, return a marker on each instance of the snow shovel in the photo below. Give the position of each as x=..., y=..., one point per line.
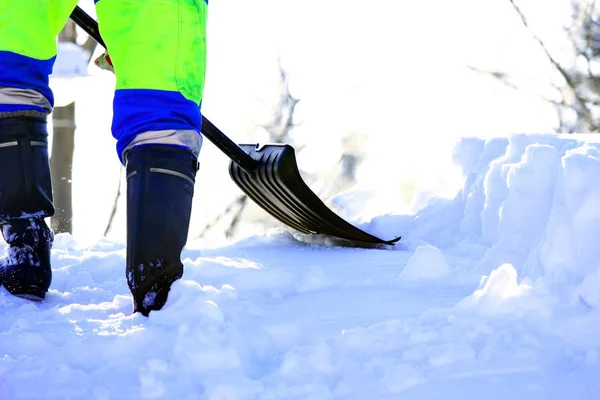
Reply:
x=269, y=175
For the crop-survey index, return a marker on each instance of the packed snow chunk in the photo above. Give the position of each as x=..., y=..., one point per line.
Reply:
x=427, y=262
x=498, y=289
x=524, y=213
x=474, y=190
x=501, y=285
x=523, y=152
x=570, y=250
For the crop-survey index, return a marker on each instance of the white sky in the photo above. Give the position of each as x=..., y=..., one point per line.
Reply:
x=394, y=71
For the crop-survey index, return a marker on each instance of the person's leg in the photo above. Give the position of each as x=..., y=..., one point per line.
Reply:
x=28, y=32
x=158, y=50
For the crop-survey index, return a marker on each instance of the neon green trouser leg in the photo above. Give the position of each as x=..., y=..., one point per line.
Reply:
x=30, y=27
x=28, y=30
x=158, y=49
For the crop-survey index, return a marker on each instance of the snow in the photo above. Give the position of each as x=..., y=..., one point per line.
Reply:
x=493, y=294
x=70, y=67
x=427, y=262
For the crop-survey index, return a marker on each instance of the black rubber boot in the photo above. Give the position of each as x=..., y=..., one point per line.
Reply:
x=25, y=200
x=160, y=187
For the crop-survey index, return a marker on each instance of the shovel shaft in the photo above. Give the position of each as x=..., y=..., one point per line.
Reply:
x=212, y=133
x=227, y=146
x=88, y=24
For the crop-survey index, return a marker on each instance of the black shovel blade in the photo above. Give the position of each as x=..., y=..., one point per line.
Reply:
x=277, y=187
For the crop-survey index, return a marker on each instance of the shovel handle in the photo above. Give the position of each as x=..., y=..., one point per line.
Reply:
x=227, y=146
x=88, y=24
x=212, y=133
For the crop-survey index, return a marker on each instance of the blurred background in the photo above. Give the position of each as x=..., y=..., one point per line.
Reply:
x=372, y=95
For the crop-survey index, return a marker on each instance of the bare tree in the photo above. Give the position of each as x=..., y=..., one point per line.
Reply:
x=113, y=212
x=574, y=94
x=282, y=123
x=63, y=146
x=577, y=99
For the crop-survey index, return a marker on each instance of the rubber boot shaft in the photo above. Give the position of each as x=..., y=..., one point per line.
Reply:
x=25, y=181
x=160, y=188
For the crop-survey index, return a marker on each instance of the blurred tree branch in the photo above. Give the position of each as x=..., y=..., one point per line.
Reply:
x=282, y=123
x=571, y=79
x=115, y=204
x=90, y=46
x=578, y=94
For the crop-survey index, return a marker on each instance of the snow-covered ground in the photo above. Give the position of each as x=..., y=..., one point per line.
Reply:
x=493, y=294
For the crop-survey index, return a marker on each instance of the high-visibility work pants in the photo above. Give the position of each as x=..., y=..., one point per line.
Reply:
x=158, y=50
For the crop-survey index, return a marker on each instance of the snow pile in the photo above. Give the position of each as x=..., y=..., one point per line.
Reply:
x=528, y=200
x=501, y=293
x=492, y=294
x=428, y=262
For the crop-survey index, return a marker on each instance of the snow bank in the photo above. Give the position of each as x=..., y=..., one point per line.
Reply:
x=530, y=201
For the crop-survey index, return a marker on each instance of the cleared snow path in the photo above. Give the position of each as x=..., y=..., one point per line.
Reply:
x=234, y=320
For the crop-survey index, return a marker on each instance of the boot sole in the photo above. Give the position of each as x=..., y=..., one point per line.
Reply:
x=30, y=293
x=31, y=297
